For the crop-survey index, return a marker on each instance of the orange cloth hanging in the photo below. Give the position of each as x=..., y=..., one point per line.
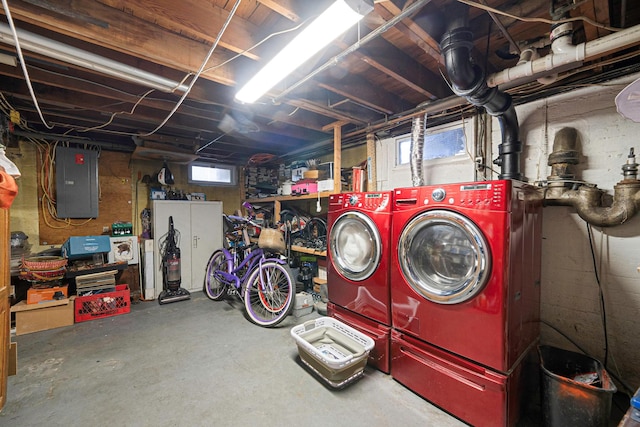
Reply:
x=8, y=189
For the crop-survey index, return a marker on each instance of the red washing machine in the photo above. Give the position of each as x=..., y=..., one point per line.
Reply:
x=465, y=294
x=358, y=247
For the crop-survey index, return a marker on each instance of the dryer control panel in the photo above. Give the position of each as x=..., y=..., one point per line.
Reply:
x=478, y=195
x=370, y=201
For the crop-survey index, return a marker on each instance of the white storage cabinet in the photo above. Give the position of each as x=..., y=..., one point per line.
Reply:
x=200, y=227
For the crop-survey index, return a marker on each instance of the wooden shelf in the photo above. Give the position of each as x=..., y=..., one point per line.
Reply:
x=289, y=198
x=309, y=251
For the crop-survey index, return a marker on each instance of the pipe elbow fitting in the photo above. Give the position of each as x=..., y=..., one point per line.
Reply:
x=626, y=203
x=618, y=213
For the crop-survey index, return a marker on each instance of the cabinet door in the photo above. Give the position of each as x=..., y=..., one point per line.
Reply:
x=181, y=213
x=206, y=237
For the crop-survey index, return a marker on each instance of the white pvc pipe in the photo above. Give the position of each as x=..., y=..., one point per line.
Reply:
x=41, y=45
x=566, y=56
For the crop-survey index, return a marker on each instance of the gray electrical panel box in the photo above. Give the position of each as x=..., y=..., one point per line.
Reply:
x=76, y=183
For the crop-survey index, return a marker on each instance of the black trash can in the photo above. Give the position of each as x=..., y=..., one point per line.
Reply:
x=576, y=389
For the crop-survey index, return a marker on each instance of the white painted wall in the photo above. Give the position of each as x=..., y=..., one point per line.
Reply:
x=570, y=293
x=436, y=171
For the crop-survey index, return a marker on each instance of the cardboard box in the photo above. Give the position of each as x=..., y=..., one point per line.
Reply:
x=325, y=185
x=41, y=317
x=124, y=249
x=38, y=295
x=85, y=246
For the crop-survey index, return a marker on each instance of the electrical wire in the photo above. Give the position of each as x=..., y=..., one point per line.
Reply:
x=542, y=20
x=200, y=70
x=23, y=64
x=603, y=312
x=113, y=115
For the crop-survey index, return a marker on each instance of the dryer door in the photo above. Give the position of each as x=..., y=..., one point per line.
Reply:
x=444, y=256
x=355, y=246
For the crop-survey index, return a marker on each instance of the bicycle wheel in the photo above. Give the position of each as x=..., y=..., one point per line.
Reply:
x=269, y=294
x=213, y=287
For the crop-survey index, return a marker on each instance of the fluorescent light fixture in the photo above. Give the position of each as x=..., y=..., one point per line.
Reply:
x=52, y=49
x=340, y=16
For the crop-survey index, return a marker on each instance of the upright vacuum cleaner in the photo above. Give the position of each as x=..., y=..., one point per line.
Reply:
x=171, y=276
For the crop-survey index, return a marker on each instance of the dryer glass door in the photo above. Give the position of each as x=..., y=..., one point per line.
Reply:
x=355, y=245
x=444, y=256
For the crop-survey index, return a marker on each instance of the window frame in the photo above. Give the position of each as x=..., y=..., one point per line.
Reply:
x=233, y=178
x=431, y=132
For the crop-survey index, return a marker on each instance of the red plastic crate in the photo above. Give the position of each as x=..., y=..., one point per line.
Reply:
x=108, y=304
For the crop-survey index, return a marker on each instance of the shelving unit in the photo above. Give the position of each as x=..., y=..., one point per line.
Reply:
x=308, y=251
x=277, y=200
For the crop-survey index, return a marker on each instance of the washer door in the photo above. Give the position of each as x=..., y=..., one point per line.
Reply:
x=355, y=245
x=444, y=257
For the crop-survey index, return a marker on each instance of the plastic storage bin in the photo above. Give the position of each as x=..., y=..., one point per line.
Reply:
x=303, y=304
x=334, y=351
x=103, y=304
x=576, y=389
x=635, y=407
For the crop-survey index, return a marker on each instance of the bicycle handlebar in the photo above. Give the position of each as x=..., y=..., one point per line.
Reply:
x=243, y=220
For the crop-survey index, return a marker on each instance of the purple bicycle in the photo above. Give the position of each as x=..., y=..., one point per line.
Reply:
x=256, y=274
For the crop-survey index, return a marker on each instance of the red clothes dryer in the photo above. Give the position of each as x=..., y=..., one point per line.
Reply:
x=465, y=293
x=358, y=247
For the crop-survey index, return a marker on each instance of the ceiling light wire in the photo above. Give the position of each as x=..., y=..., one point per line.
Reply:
x=543, y=20
x=23, y=64
x=197, y=75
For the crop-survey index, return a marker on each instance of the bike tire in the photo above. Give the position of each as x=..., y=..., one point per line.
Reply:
x=214, y=288
x=268, y=307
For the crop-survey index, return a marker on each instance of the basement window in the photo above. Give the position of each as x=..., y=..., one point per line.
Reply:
x=438, y=144
x=202, y=173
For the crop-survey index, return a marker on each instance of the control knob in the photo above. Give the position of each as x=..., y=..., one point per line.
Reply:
x=438, y=194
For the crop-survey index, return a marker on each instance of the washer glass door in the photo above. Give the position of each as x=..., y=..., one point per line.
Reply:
x=355, y=246
x=444, y=257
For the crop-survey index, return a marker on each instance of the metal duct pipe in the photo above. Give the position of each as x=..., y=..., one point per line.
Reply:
x=588, y=199
x=468, y=81
x=417, y=149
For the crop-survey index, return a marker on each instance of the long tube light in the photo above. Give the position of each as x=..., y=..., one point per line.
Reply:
x=340, y=16
x=38, y=44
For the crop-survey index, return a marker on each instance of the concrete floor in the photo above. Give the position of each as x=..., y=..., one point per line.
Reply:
x=192, y=363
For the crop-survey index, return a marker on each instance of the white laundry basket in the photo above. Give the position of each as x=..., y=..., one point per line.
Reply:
x=333, y=350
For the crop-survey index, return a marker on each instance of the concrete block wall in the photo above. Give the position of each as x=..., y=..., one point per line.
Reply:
x=570, y=291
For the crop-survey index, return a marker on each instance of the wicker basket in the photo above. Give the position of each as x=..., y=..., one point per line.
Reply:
x=44, y=263
x=42, y=275
x=272, y=239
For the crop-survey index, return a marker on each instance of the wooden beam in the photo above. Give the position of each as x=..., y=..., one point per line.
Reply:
x=388, y=59
x=337, y=158
x=411, y=30
x=195, y=19
x=359, y=90
x=285, y=8
x=125, y=33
